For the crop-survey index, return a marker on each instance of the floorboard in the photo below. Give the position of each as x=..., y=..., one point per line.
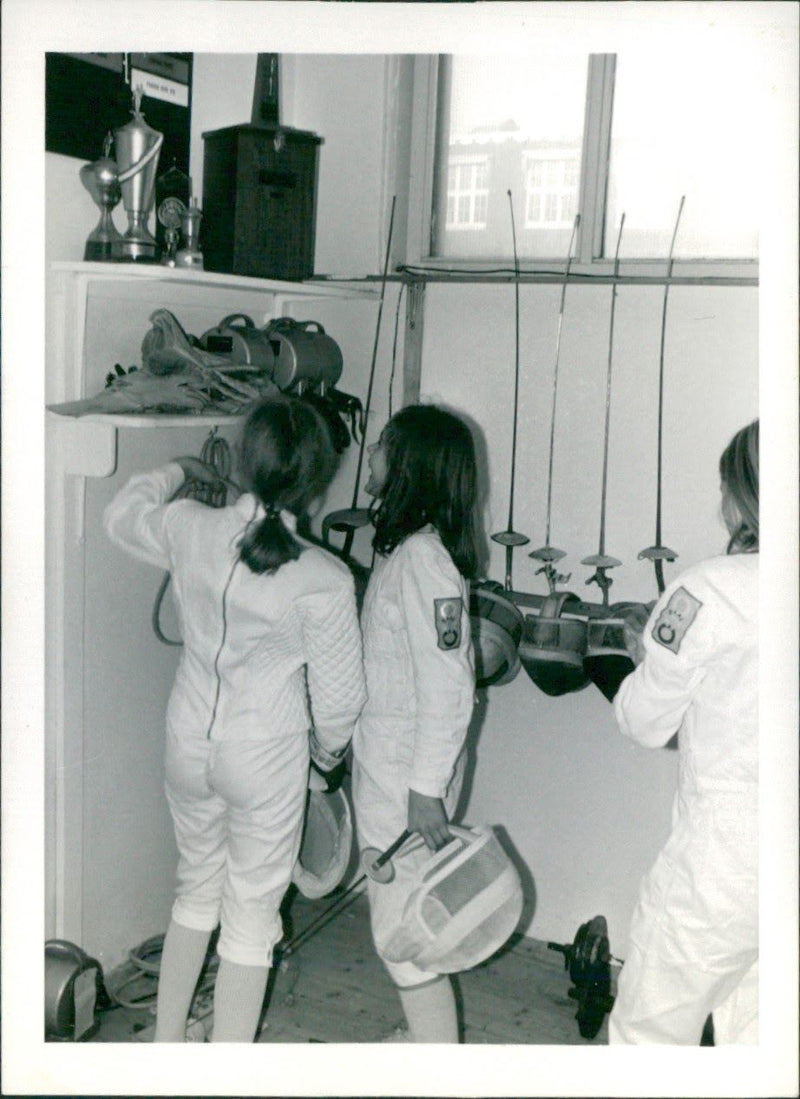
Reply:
x=334, y=990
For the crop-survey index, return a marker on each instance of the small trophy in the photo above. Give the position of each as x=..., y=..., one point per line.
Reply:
x=170, y=217
x=190, y=255
x=173, y=189
x=101, y=180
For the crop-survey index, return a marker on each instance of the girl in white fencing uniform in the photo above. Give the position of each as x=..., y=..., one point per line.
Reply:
x=267, y=620
x=408, y=744
x=693, y=946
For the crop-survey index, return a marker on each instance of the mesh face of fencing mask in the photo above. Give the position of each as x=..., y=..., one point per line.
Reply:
x=465, y=905
x=326, y=845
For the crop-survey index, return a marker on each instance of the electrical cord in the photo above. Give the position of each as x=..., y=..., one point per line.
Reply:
x=215, y=453
x=139, y=976
x=422, y=272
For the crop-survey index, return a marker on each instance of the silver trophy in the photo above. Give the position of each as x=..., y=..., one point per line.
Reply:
x=136, y=148
x=101, y=180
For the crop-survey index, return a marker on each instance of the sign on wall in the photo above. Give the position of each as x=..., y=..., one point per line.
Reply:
x=89, y=94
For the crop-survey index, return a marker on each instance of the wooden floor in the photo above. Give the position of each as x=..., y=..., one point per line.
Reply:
x=334, y=989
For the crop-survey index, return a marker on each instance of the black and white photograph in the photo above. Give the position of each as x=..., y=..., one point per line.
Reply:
x=391, y=656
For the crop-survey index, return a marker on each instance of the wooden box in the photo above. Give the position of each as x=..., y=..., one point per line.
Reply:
x=259, y=201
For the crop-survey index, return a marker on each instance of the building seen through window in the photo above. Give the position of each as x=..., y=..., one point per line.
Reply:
x=523, y=123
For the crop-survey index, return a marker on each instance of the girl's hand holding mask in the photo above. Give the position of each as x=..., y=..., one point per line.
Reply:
x=426, y=816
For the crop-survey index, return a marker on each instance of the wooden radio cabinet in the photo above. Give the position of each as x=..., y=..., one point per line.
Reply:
x=259, y=201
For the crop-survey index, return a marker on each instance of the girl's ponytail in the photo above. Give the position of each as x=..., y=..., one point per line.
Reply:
x=268, y=543
x=287, y=461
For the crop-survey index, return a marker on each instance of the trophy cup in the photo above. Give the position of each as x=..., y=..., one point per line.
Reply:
x=190, y=255
x=137, y=146
x=169, y=216
x=101, y=180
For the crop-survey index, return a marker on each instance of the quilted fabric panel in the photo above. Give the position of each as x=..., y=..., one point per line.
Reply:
x=335, y=665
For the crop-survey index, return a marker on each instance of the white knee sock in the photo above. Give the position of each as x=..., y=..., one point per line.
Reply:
x=430, y=1011
x=238, y=998
x=182, y=959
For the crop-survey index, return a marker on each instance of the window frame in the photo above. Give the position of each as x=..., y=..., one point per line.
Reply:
x=595, y=157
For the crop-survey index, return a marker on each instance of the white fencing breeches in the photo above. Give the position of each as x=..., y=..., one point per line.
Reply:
x=237, y=808
x=693, y=948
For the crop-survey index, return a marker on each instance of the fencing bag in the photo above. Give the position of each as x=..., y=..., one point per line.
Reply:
x=464, y=906
x=73, y=987
x=326, y=845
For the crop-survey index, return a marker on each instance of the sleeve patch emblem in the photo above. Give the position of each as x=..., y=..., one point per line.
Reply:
x=675, y=619
x=447, y=616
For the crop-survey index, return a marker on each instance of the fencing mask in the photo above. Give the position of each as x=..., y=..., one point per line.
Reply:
x=326, y=844
x=465, y=904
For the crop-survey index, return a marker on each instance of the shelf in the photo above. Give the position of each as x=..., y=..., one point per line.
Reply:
x=150, y=419
x=89, y=440
x=88, y=444
x=187, y=276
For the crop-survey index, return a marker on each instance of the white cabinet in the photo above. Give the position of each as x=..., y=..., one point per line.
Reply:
x=109, y=850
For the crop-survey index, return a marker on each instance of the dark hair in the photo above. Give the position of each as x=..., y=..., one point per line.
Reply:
x=431, y=477
x=738, y=470
x=287, y=460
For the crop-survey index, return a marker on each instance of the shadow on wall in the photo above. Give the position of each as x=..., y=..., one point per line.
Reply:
x=473, y=735
x=526, y=877
x=528, y=884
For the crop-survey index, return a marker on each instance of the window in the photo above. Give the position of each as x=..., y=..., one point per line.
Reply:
x=696, y=136
x=508, y=124
x=551, y=188
x=467, y=192
x=598, y=134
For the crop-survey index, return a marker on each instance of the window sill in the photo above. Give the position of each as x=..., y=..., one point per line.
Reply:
x=633, y=272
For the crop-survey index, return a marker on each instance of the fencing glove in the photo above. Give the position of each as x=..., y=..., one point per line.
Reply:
x=327, y=768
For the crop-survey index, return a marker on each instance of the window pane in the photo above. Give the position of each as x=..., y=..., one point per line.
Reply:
x=683, y=126
x=517, y=122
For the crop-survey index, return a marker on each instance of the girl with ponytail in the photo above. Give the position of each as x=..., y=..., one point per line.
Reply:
x=270, y=680
x=287, y=461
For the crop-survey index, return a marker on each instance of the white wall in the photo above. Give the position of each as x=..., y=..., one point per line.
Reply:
x=222, y=95
x=342, y=99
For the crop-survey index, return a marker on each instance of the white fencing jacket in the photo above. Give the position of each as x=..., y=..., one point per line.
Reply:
x=255, y=646
x=700, y=675
x=693, y=945
x=419, y=666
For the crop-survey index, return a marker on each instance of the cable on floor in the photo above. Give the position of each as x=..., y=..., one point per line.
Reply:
x=134, y=985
